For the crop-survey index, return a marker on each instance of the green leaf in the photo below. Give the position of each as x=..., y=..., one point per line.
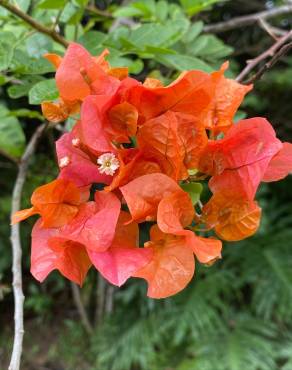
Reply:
x=7, y=41
x=26, y=83
x=6, y=55
x=162, y=10
x=52, y=4
x=22, y=4
x=3, y=80
x=194, y=189
x=92, y=40
x=193, y=32
x=127, y=11
x=38, y=44
x=135, y=66
x=81, y=3
x=146, y=35
x=12, y=139
x=183, y=62
x=193, y=7
x=209, y=45
x=148, y=7
x=69, y=11
x=24, y=64
x=43, y=91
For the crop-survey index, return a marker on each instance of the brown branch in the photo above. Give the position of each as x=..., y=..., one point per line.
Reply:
x=33, y=23
x=284, y=50
x=274, y=32
x=17, y=250
x=247, y=20
x=253, y=63
x=81, y=309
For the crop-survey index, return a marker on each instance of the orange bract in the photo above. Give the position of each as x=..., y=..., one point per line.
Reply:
x=120, y=72
x=191, y=93
x=57, y=202
x=280, y=165
x=175, y=212
x=144, y=194
x=49, y=252
x=79, y=74
x=176, y=140
x=123, y=257
x=59, y=111
x=227, y=99
x=233, y=218
x=55, y=59
x=123, y=119
x=171, y=268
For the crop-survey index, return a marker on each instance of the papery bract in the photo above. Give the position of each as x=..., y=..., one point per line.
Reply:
x=144, y=194
x=103, y=118
x=59, y=111
x=57, y=202
x=190, y=93
x=49, y=252
x=82, y=166
x=227, y=99
x=95, y=223
x=79, y=75
x=280, y=165
x=175, y=212
x=171, y=268
x=242, y=157
x=233, y=218
x=176, y=139
x=123, y=258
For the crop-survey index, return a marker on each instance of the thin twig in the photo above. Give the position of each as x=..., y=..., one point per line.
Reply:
x=247, y=20
x=17, y=250
x=284, y=50
x=81, y=309
x=253, y=63
x=33, y=23
x=266, y=27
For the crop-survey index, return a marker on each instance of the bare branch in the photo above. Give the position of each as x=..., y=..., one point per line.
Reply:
x=247, y=20
x=284, y=50
x=81, y=309
x=17, y=250
x=271, y=52
x=274, y=32
x=33, y=23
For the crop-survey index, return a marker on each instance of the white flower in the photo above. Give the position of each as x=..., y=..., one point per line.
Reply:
x=108, y=163
x=63, y=162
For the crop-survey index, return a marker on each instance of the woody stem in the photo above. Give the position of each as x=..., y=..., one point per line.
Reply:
x=33, y=23
x=17, y=250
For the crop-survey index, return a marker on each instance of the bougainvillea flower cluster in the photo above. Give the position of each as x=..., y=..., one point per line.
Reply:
x=135, y=157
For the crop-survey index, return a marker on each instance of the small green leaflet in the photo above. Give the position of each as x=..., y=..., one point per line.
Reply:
x=194, y=189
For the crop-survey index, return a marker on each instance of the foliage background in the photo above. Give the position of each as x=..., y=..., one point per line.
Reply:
x=236, y=315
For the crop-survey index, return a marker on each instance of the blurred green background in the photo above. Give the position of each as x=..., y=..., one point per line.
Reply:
x=235, y=315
